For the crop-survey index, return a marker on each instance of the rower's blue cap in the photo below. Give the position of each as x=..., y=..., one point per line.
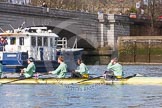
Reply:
x=31, y=59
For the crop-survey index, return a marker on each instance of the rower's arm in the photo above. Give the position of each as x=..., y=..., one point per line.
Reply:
x=82, y=69
x=28, y=68
x=57, y=70
x=110, y=65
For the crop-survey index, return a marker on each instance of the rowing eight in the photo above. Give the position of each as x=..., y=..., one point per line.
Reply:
x=133, y=80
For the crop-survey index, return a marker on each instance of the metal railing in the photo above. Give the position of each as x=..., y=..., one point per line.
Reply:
x=62, y=43
x=75, y=45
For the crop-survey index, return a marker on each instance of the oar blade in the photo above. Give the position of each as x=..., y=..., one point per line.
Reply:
x=87, y=79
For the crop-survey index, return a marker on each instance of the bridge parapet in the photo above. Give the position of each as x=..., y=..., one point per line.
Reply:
x=26, y=9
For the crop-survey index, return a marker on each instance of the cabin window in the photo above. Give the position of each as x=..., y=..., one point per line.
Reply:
x=21, y=41
x=45, y=41
x=12, y=40
x=33, y=41
x=39, y=41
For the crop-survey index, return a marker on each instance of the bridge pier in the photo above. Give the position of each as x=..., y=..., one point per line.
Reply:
x=110, y=27
x=102, y=35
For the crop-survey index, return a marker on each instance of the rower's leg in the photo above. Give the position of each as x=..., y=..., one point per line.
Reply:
x=76, y=75
x=22, y=77
x=109, y=75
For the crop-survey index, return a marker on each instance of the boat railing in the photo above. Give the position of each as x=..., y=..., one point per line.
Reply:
x=75, y=45
x=62, y=43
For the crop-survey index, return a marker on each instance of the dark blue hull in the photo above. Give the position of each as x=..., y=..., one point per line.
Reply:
x=14, y=62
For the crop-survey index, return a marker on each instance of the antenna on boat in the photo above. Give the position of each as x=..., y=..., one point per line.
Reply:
x=2, y=29
x=21, y=26
x=11, y=26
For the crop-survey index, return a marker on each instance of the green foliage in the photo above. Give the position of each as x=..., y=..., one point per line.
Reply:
x=133, y=10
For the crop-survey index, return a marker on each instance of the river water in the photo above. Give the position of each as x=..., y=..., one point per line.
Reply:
x=87, y=96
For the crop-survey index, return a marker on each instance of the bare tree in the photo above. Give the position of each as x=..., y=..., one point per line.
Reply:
x=94, y=5
x=153, y=10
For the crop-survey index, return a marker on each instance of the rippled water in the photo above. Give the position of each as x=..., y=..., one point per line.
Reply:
x=87, y=96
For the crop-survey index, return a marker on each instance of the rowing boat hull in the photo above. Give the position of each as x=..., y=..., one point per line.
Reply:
x=134, y=80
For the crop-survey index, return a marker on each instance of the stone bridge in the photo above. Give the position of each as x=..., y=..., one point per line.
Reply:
x=91, y=30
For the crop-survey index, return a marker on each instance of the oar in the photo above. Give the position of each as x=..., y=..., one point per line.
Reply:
x=13, y=81
x=88, y=79
x=127, y=77
x=23, y=79
x=134, y=75
x=19, y=78
x=40, y=75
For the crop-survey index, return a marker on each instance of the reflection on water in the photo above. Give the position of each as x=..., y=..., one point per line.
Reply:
x=86, y=96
